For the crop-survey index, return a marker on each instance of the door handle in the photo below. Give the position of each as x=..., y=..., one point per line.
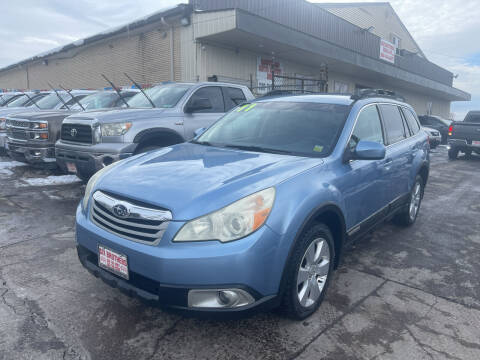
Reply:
x=179, y=123
x=388, y=161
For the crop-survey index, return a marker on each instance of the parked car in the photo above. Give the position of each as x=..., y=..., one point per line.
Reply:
x=437, y=123
x=17, y=105
x=464, y=136
x=31, y=137
x=434, y=137
x=255, y=212
x=91, y=141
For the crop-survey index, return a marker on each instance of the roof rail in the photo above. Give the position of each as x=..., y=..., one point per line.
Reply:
x=382, y=93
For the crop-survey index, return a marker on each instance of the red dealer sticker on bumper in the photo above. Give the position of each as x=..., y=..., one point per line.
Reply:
x=113, y=261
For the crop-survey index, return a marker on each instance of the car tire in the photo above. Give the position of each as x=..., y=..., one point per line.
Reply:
x=409, y=214
x=468, y=153
x=453, y=154
x=308, y=272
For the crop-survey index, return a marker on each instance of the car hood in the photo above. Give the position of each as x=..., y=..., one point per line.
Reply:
x=4, y=112
x=119, y=114
x=191, y=180
x=41, y=114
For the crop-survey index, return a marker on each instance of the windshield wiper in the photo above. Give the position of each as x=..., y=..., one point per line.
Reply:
x=141, y=90
x=259, y=149
x=116, y=90
x=58, y=95
x=31, y=100
x=69, y=92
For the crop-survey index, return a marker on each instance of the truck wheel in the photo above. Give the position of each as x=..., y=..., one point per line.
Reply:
x=308, y=273
x=468, y=153
x=83, y=176
x=452, y=154
x=408, y=216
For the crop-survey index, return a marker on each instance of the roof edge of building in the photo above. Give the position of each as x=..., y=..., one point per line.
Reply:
x=177, y=10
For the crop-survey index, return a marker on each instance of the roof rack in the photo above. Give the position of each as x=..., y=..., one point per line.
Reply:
x=368, y=93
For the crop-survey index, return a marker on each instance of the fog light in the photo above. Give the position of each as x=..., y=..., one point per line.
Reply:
x=448, y=147
x=219, y=298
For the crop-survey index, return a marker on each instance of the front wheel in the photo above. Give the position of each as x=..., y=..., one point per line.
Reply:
x=409, y=214
x=309, y=272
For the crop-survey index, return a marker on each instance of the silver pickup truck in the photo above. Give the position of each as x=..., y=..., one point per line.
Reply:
x=162, y=116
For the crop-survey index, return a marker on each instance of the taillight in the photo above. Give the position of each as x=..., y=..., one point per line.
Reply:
x=450, y=130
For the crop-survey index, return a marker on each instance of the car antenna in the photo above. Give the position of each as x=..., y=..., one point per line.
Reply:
x=140, y=88
x=73, y=97
x=116, y=90
x=61, y=99
x=31, y=99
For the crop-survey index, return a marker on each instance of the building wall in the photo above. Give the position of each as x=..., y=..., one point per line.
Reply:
x=146, y=57
x=382, y=17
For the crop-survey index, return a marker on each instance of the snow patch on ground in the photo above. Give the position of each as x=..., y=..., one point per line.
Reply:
x=51, y=180
x=5, y=167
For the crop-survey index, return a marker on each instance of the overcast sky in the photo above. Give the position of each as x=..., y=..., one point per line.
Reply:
x=446, y=30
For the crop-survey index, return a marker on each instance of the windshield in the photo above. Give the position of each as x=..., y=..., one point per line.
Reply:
x=19, y=101
x=164, y=96
x=50, y=101
x=97, y=101
x=298, y=128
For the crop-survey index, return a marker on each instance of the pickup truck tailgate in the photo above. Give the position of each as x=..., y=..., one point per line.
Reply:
x=466, y=131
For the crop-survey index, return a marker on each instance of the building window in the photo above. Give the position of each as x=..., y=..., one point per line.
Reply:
x=340, y=87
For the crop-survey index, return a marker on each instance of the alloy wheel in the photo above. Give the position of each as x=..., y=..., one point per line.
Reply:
x=415, y=200
x=313, y=272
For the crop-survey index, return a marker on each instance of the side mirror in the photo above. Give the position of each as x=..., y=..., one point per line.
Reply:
x=199, y=132
x=369, y=150
x=198, y=104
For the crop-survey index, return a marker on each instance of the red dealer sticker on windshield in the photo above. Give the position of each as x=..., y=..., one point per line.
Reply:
x=113, y=261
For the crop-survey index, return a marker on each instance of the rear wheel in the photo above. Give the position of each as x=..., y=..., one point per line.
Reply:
x=453, y=154
x=309, y=272
x=468, y=153
x=409, y=214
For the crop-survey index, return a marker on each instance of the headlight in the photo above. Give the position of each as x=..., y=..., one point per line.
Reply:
x=38, y=125
x=232, y=222
x=91, y=184
x=115, y=129
x=2, y=123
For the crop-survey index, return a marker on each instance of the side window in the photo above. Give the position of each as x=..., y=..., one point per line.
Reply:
x=393, y=123
x=411, y=120
x=368, y=127
x=233, y=97
x=214, y=95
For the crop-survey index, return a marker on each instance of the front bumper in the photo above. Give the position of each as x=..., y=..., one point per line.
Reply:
x=41, y=154
x=91, y=158
x=163, y=274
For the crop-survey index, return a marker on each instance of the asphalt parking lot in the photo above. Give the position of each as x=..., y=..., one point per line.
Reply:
x=401, y=293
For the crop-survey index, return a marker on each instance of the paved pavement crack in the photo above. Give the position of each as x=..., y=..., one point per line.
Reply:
x=446, y=298
x=336, y=321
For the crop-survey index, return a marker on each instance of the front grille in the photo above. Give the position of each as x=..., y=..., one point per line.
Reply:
x=145, y=225
x=17, y=134
x=77, y=133
x=18, y=123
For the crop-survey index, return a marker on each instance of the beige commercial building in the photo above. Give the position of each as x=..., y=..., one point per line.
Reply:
x=268, y=45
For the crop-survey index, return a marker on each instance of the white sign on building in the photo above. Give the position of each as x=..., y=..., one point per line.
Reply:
x=265, y=67
x=387, y=51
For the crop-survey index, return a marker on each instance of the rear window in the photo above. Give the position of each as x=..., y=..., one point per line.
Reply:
x=393, y=123
x=473, y=118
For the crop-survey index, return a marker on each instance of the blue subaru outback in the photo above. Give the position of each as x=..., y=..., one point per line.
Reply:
x=255, y=211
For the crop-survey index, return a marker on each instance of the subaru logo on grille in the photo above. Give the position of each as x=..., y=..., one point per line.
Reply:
x=121, y=211
x=73, y=132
